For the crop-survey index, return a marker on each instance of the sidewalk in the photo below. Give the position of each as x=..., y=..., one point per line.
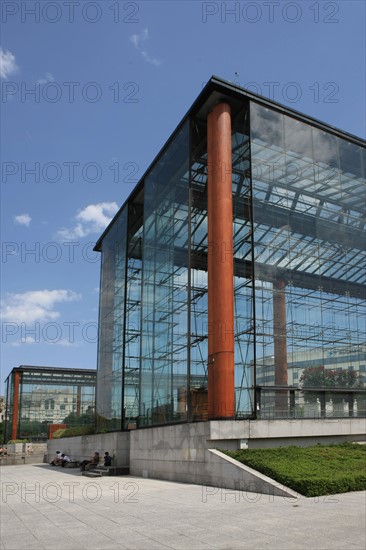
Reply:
x=47, y=508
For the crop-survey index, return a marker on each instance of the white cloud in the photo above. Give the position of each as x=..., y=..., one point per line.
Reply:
x=47, y=78
x=35, y=305
x=23, y=219
x=27, y=340
x=94, y=218
x=7, y=64
x=138, y=41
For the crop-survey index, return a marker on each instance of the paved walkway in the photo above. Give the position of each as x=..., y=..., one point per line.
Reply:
x=45, y=507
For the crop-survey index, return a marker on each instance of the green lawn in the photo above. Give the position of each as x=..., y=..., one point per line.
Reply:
x=311, y=471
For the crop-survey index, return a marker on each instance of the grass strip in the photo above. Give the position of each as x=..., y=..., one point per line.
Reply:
x=311, y=471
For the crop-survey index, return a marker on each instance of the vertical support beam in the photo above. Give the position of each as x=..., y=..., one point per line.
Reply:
x=221, y=389
x=280, y=343
x=15, y=417
x=78, y=400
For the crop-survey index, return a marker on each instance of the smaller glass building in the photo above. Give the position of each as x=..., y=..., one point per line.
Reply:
x=39, y=396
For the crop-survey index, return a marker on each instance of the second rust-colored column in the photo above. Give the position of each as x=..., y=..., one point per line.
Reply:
x=15, y=417
x=221, y=389
x=78, y=400
x=280, y=344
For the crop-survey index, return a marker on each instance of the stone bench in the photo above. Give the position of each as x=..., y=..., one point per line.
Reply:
x=72, y=464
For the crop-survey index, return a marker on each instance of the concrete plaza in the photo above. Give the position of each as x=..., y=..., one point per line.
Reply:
x=47, y=508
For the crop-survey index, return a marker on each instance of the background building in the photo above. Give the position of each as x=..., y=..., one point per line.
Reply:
x=38, y=396
x=244, y=240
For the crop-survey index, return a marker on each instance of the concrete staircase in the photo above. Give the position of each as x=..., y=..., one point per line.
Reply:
x=100, y=471
x=97, y=472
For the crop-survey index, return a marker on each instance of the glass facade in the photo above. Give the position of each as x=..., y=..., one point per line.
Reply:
x=47, y=396
x=299, y=194
x=309, y=191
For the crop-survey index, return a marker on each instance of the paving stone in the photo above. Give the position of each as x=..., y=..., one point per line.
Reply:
x=46, y=508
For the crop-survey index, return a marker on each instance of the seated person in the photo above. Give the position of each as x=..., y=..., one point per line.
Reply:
x=64, y=459
x=107, y=459
x=57, y=460
x=87, y=464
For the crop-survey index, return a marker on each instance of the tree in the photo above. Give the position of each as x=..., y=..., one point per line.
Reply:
x=73, y=419
x=319, y=377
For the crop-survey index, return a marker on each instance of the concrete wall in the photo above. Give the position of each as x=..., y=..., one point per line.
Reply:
x=24, y=453
x=175, y=452
x=187, y=452
x=83, y=447
x=184, y=452
x=305, y=432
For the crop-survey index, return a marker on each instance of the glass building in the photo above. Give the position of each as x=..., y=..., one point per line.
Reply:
x=39, y=396
x=233, y=277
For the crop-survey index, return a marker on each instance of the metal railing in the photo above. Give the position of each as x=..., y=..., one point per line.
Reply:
x=309, y=402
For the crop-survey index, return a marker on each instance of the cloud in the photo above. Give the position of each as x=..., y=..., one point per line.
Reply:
x=47, y=78
x=7, y=64
x=23, y=219
x=27, y=340
x=92, y=219
x=35, y=305
x=138, y=41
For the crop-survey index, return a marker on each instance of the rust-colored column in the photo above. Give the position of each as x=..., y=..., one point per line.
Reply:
x=280, y=344
x=78, y=400
x=14, y=421
x=221, y=390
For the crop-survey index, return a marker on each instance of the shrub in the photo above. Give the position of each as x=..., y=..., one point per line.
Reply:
x=58, y=433
x=74, y=431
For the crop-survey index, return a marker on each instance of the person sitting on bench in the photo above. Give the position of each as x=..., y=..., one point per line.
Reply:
x=57, y=460
x=87, y=464
x=64, y=460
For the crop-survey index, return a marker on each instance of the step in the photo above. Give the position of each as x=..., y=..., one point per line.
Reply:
x=91, y=473
x=101, y=471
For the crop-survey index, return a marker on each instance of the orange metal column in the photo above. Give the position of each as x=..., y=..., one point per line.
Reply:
x=78, y=400
x=14, y=422
x=221, y=390
x=280, y=343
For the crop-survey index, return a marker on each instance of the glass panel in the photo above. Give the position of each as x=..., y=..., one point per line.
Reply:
x=243, y=280
x=133, y=317
x=198, y=391
x=164, y=311
x=111, y=326
x=310, y=267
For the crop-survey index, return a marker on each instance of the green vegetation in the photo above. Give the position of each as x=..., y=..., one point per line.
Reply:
x=311, y=471
x=58, y=433
x=18, y=441
x=107, y=424
x=71, y=432
x=85, y=419
x=319, y=377
x=33, y=429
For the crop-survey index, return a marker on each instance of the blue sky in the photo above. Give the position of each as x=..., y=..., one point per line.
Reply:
x=90, y=91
